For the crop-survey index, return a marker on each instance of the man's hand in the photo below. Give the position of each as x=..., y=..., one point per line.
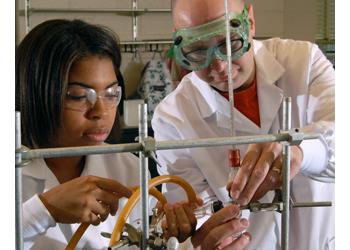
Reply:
x=223, y=230
x=87, y=199
x=261, y=170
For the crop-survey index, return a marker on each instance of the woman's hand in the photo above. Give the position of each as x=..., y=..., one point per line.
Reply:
x=88, y=199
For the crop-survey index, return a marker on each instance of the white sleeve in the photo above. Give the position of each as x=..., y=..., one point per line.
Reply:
x=36, y=220
x=178, y=162
x=318, y=162
x=169, y=159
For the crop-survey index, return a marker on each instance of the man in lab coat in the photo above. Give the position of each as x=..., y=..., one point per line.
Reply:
x=262, y=72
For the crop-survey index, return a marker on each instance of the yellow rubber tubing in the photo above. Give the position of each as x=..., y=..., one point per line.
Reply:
x=191, y=195
x=83, y=226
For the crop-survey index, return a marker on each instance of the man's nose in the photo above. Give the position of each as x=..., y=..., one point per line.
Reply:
x=218, y=65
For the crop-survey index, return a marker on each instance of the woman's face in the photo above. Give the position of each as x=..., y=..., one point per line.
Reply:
x=84, y=123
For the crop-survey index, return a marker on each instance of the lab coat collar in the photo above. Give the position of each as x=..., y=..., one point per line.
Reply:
x=94, y=166
x=40, y=171
x=270, y=96
x=204, y=95
x=268, y=71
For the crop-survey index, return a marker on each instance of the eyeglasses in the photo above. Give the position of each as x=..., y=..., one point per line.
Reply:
x=202, y=55
x=197, y=56
x=82, y=99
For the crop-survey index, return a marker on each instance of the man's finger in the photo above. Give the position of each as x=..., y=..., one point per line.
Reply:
x=219, y=218
x=243, y=174
x=240, y=243
x=272, y=182
x=218, y=235
x=259, y=173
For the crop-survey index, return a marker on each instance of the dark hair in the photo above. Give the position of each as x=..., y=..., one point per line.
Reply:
x=43, y=61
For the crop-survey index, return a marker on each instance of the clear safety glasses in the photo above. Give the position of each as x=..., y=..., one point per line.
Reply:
x=195, y=47
x=80, y=98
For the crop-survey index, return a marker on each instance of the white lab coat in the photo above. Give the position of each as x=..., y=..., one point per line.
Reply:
x=195, y=110
x=39, y=228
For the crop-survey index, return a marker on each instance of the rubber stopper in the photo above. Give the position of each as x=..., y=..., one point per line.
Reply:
x=234, y=158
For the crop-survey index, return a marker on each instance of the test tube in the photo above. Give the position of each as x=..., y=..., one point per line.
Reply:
x=234, y=163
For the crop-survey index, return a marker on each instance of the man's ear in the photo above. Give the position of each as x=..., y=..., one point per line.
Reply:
x=251, y=21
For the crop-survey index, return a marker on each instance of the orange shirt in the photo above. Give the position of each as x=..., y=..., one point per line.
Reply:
x=246, y=101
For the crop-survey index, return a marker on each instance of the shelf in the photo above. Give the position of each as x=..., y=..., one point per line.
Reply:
x=87, y=10
x=147, y=42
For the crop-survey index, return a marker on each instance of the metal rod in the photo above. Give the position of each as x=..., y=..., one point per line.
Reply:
x=160, y=145
x=229, y=69
x=18, y=185
x=100, y=10
x=26, y=14
x=16, y=23
x=143, y=176
x=134, y=20
x=276, y=206
x=77, y=151
x=238, y=140
x=286, y=125
x=312, y=204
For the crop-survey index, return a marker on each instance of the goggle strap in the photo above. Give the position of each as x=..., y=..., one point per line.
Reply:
x=248, y=48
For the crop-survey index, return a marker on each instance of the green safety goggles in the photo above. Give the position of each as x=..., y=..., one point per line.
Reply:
x=195, y=47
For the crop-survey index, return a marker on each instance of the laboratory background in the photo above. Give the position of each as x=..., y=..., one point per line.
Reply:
x=145, y=30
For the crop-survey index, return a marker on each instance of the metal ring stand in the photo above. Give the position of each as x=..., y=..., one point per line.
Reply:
x=147, y=145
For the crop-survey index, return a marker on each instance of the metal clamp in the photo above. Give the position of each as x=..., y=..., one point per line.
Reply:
x=155, y=241
x=22, y=163
x=149, y=145
x=263, y=207
x=149, y=148
x=294, y=136
x=278, y=206
x=133, y=238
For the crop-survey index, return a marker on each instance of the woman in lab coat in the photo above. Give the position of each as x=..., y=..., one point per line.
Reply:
x=68, y=92
x=199, y=109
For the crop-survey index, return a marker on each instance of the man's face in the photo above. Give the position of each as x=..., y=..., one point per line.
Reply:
x=216, y=74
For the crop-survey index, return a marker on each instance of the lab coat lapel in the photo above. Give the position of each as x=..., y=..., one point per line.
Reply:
x=270, y=96
x=39, y=170
x=211, y=102
x=270, y=99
